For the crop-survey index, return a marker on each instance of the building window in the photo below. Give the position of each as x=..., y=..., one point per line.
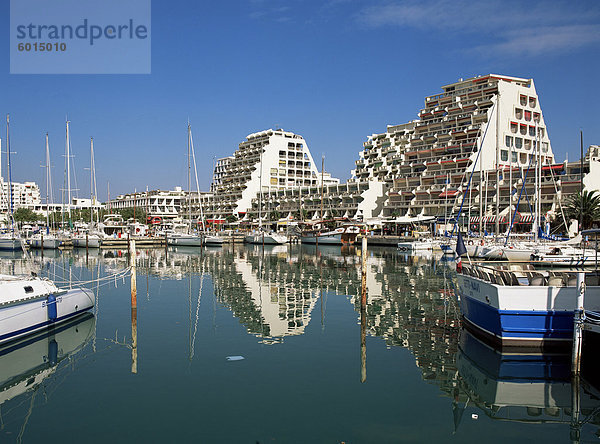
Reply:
x=503, y=155
x=518, y=142
x=514, y=157
x=527, y=144
x=532, y=131
x=509, y=141
x=523, y=100
x=536, y=117
x=528, y=115
x=545, y=147
x=281, y=162
x=541, y=132
x=273, y=181
x=513, y=127
x=523, y=129
x=281, y=153
x=273, y=171
x=532, y=102
x=518, y=113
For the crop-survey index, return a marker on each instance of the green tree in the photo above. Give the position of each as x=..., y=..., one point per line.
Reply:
x=26, y=215
x=127, y=213
x=587, y=204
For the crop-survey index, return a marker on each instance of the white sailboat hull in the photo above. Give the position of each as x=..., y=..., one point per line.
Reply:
x=213, y=241
x=22, y=315
x=10, y=244
x=50, y=243
x=267, y=239
x=92, y=241
x=184, y=240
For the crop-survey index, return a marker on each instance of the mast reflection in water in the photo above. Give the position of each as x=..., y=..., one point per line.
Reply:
x=294, y=314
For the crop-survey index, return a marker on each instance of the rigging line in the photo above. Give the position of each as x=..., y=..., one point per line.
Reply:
x=519, y=199
x=473, y=172
x=559, y=200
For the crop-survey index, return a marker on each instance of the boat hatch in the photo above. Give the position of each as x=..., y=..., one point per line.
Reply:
x=28, y=289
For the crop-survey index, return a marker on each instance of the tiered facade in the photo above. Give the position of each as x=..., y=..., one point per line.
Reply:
x=463, y=147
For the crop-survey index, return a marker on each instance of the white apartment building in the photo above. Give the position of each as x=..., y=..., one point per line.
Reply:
x=220, y=171
x=166, y=205
x=24, y=195
x=271, y=160
x=490, y=126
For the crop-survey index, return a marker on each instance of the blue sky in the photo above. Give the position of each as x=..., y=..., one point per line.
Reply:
x=334, y=71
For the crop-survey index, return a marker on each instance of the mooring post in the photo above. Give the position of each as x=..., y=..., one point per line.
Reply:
x=133, y=274
x=42, y=245
x=578, y=318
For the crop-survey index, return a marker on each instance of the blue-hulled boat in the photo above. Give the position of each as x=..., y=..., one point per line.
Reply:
x=523, y=307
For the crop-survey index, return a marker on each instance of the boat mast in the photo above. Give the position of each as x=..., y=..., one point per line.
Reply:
x=497, y=226
x=580, y=181
x=47, y=183
x=260, y=191
x=68, y=173
x=322, y=182
x=10, y=201
x=197, y=183
x=536, y=221
x=91, y=181
x=510, y=193
x=189, y=180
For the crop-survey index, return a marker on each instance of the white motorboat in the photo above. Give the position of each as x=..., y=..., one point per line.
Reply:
x=46, y=241
x=184, y=239
x=521, y=306
x=340, y=236
x=213, y=240
x=10, y=242
x=31, y=304
x=89, y=240
x=266, y=238
x=420, y=245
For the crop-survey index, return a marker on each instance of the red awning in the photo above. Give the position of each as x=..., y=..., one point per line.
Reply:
x=449, y=193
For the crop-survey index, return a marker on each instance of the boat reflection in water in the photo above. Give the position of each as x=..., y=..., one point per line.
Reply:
x=26, y=363
x=522, y=386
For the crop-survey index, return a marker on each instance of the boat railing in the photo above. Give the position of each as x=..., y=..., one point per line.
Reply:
x=515, y=275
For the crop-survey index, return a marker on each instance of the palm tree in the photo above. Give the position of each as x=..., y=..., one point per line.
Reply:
x=589, y=202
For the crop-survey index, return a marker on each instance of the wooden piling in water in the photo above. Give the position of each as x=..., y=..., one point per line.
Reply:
x=578, y=316
x=133, y=274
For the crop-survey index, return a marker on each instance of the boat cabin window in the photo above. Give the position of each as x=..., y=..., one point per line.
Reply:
x=28, y=289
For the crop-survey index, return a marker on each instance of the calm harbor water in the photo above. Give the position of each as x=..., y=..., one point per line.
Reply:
x=293, y=314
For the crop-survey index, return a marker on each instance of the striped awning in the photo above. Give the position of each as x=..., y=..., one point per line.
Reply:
x=525, y=219
x=474, y=220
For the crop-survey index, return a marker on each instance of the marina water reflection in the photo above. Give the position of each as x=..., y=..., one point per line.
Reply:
x=294, y=313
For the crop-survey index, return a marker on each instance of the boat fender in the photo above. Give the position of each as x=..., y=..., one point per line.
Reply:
x=51, y=305
x=52, y=352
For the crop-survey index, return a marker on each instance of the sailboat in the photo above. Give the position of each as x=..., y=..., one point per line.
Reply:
x=90, y=239
x=210, y=240
x=48, y=240
x=262, y=237
x=9, y=241
x=187, y=239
